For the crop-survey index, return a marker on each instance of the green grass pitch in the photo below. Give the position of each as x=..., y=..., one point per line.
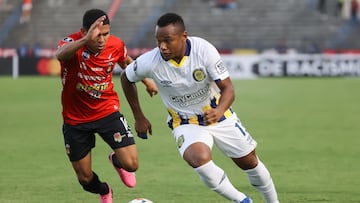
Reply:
x=308, y=130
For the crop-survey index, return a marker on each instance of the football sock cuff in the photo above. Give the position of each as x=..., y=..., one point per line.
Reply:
x=116, y=161
x=95, y=186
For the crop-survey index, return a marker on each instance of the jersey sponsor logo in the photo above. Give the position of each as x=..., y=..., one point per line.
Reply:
x=91, y=77
x=95, y=90
x=192, y=98
x=199, y=75
x=109, y=60
x=96, y=69
x=64, y=76
x=85, y=54
x=83, y=65
x=220, y=68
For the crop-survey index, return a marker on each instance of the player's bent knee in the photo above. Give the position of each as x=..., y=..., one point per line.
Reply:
x=130, y=166
x=197, y=159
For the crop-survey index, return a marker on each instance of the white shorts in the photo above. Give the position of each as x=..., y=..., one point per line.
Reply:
x=229, y=136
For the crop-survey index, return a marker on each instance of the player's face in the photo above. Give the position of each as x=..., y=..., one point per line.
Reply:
x=171, y=42
x=98, y=44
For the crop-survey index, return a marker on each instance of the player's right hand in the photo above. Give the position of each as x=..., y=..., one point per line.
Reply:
x=94, y=29
x=151, y=87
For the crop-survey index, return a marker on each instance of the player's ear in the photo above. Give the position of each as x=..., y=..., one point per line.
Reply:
x=185, y=34
x=83, y=31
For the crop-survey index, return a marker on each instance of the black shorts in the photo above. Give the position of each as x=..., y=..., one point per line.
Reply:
x=80, y=139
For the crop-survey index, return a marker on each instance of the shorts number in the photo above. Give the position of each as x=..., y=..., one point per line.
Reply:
x=240, y=128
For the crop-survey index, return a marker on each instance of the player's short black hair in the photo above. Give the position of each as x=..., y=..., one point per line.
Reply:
x=171, y=18
x=92, y=15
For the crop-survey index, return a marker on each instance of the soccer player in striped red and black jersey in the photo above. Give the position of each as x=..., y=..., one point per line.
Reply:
x=91, y=105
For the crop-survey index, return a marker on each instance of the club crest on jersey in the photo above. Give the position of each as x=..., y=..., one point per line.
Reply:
x=199, y=75
x=85, y=54
x=110, y=65
x=180, y=141
x=117, y=137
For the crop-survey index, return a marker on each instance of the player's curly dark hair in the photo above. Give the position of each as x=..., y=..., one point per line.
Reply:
x=92, y=15
x=171, y=18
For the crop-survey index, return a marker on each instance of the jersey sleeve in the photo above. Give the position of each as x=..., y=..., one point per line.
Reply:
x=65, y=40
x=123, y=52
x=68, y=39
x=138, y=69
x=214, y=64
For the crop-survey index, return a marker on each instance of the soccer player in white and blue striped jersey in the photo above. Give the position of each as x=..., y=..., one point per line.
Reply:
x=197, y=91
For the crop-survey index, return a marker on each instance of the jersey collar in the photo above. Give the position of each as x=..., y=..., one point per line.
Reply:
x=188, y=47
x=92, y=52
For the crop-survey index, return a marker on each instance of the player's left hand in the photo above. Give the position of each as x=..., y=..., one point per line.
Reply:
x=152, y=92
x=151, y=87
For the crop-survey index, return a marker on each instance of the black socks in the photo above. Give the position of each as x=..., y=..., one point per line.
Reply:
x=95, y=186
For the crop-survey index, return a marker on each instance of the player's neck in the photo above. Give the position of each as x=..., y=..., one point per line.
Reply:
x=179, y=58
x=93, y=52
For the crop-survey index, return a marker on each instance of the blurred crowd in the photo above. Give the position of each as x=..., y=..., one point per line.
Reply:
x=26, y=9
x=345, y=9
x=5, y=6
x=222, y=4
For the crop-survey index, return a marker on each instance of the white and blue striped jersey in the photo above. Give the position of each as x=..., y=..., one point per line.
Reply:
x=187, y=88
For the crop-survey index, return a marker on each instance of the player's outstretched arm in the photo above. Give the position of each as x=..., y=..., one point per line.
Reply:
x=150, y=85
x=142, y=124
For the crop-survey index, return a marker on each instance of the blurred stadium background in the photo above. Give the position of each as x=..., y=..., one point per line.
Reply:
x=241, y=28
x=308, y=127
